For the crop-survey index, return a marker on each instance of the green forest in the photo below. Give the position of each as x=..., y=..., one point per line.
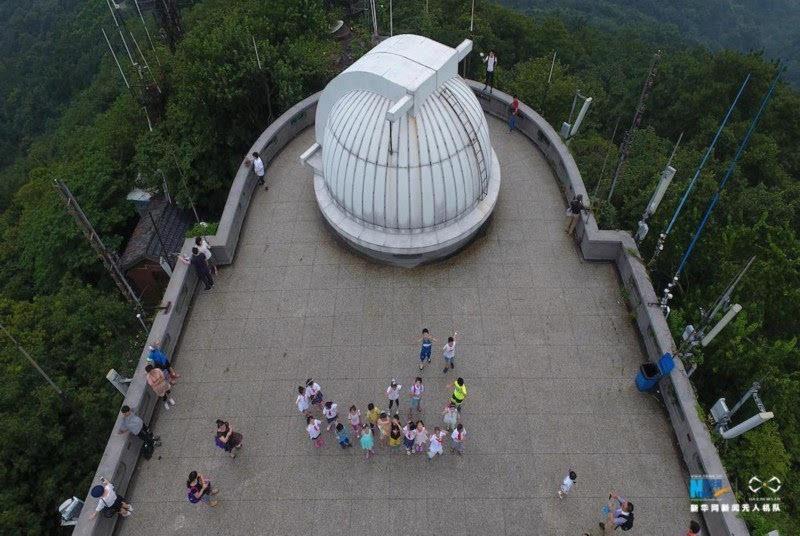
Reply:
x=743, y=25
x=66, y=114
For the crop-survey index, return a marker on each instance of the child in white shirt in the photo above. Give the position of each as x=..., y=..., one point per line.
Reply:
x=331, y=413
x=302, y=401
x=567, y=484
x=435, y=447
x=393, y=394
x=355, y=420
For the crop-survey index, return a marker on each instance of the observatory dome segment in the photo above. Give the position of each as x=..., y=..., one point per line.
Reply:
x=432, y=176
x=403, y=166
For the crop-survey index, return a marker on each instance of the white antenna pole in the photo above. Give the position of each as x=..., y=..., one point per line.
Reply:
x=391, y=20
x=258, y=60
x=552, y=65
x=130, y=56
x=113, y=15
x=472, y=17
x=115, y=59
x=145, y=62
x=150, y=39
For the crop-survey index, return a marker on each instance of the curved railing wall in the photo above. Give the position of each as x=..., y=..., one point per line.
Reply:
x=699, y=453
x=701, y=457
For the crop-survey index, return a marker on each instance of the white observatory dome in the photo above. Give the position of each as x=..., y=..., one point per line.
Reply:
x=404, y=168
x=432, y=173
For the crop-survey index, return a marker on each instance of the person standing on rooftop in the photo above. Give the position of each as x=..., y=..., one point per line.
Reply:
x=258, y=168
x=574, y=212
x=158, y=359
x=491, y=63
x=449, y=353
x=513, y=111
x=425, y=351
x=157, y=380
x=200, y=264
x=205, y=249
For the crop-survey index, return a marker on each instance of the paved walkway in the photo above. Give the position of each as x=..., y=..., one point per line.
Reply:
x=546, y=346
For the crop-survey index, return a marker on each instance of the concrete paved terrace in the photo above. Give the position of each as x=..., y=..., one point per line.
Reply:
x=546, y=347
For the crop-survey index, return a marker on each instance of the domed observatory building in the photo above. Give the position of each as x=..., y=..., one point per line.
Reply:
x=404, y=170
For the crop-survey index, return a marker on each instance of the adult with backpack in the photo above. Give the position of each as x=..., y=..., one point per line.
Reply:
x=619, y=516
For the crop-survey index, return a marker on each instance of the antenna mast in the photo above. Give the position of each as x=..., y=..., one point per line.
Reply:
x=110, y=258
x=627, y=141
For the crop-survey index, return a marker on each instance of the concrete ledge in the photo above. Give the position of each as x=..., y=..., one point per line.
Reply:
x=122, y=452
x=694, y=439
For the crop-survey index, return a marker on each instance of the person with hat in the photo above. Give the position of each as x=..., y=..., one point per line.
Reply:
x=459, y=394
x=393, y=394
x=158, y=359
x=109, y=501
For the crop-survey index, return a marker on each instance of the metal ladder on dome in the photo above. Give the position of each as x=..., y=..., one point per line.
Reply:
x=461, y=113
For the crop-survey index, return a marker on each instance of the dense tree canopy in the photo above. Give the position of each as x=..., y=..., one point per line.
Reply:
x=61, y=305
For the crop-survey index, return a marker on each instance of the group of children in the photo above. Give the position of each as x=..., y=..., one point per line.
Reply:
x=413, y=437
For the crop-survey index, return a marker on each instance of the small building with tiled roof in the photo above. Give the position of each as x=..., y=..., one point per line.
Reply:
x=148, y=245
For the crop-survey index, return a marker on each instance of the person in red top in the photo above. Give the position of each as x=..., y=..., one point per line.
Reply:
x=513, y=110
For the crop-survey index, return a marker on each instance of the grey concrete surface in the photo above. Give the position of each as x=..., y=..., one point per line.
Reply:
x=546, y=347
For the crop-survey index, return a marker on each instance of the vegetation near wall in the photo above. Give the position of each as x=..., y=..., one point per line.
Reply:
x=55, y=297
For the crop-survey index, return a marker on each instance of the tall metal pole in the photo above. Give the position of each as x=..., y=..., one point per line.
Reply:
x=114, y=55
x=739, y=151
x=663, y=237
x=150, y=39
x=33, y=362
x=627, y=141
x=185, y=187
x=605, y=160
x=109, y=258
x=391, y=20
x=546, y=88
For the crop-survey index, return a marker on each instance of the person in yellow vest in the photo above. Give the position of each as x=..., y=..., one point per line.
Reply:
x=459, y=394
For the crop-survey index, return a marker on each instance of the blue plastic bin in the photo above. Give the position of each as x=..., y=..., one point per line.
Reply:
x=650, y=373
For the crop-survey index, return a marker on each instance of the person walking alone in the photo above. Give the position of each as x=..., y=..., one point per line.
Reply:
x=574, y=212
x=227, y=439
x=200, y=263
x=491, y=63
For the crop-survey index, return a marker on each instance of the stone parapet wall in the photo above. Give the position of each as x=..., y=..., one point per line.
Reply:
x=122, y=451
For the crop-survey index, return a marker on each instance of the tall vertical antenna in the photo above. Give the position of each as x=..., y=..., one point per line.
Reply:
x=627, y=141
x=109, y=258
x=150, y=39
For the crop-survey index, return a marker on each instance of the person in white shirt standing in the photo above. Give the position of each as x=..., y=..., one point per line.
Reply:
x=258, y=168
x=302, y=401
x=567, y=484
x=393, y=394
x=205, y=249
x=449, y=353
x=491, y=63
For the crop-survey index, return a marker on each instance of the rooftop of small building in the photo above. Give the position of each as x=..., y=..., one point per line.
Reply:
x=545, y=343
